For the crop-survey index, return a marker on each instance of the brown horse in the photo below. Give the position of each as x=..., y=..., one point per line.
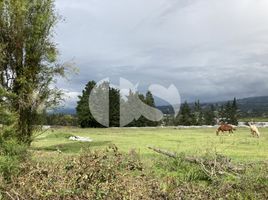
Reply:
x=225, y=127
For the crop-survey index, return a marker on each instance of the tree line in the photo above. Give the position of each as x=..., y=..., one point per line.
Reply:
x=188, y=115
x=211, y=115
x=86, y=119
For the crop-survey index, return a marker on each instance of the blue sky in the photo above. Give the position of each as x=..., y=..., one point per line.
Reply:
x=209, y=49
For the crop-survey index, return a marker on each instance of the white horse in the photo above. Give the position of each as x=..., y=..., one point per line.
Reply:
x=254, y=130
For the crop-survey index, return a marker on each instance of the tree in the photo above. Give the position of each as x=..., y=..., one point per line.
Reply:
x=209, y=116
x=142, y=121
x=114, y=107
x=84, y=114
x=29, y=66
x=198, y=114
x=149, y=100
x=221, y=113
x=234, y=113
x=7, y=117
x=60, y=119
x=85, y=118
x=228, y=113
x=185, y=117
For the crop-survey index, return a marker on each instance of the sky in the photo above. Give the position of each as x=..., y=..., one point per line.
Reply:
x=209, y=49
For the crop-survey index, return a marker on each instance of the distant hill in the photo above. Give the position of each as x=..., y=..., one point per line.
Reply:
x=69, y=111
x=248, y=107
x=254, y=106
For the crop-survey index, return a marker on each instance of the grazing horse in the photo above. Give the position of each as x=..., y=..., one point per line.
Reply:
x=225, y=127
x=254, y=130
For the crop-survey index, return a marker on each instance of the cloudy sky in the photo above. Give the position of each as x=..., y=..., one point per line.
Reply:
x=209, y=49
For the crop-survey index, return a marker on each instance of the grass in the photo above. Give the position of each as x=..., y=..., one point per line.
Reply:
x=240, y=147
x=59, y=170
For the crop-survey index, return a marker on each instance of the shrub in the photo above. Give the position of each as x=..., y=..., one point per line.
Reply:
x=111, y=175
x=11, y=154
x=93, y=175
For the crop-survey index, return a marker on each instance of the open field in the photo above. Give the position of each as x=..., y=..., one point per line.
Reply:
x=62, y=169
x=240, y=147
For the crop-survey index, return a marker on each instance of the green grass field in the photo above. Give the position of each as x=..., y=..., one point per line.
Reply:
x=240, y=147
x=57, y=168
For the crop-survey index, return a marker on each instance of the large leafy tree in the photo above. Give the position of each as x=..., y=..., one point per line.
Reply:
x=28, y=66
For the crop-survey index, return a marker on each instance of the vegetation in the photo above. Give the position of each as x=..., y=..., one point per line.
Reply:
x=193, y=141
x=194, y=163
x=188, y=115
x=28, y=60
x=59, y=119
x=11, y=151
x=101, y=171
x=227, y=113
x=85, y=118
x=255, y=108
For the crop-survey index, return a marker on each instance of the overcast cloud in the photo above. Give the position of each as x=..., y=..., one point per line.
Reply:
x=209, y=49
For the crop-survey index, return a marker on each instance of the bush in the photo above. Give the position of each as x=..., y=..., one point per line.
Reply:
x=93, y=175
x=111, y=175
x=9, y=166
x=192, y=180
x=11, y=154
x=13, y=149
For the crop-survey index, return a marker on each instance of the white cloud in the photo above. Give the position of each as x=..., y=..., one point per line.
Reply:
x=209, y=49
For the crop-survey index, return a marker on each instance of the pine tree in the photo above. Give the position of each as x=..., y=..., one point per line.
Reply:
x=149, y=100
x=114, y=107
x=234, y=113
x=209, y=116
x=185, y=117
x=229, y=112
x=85, y=118
x=198, y=114
x=142, y=121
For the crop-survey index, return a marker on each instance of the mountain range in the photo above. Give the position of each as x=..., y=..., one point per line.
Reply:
x=248, y=107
